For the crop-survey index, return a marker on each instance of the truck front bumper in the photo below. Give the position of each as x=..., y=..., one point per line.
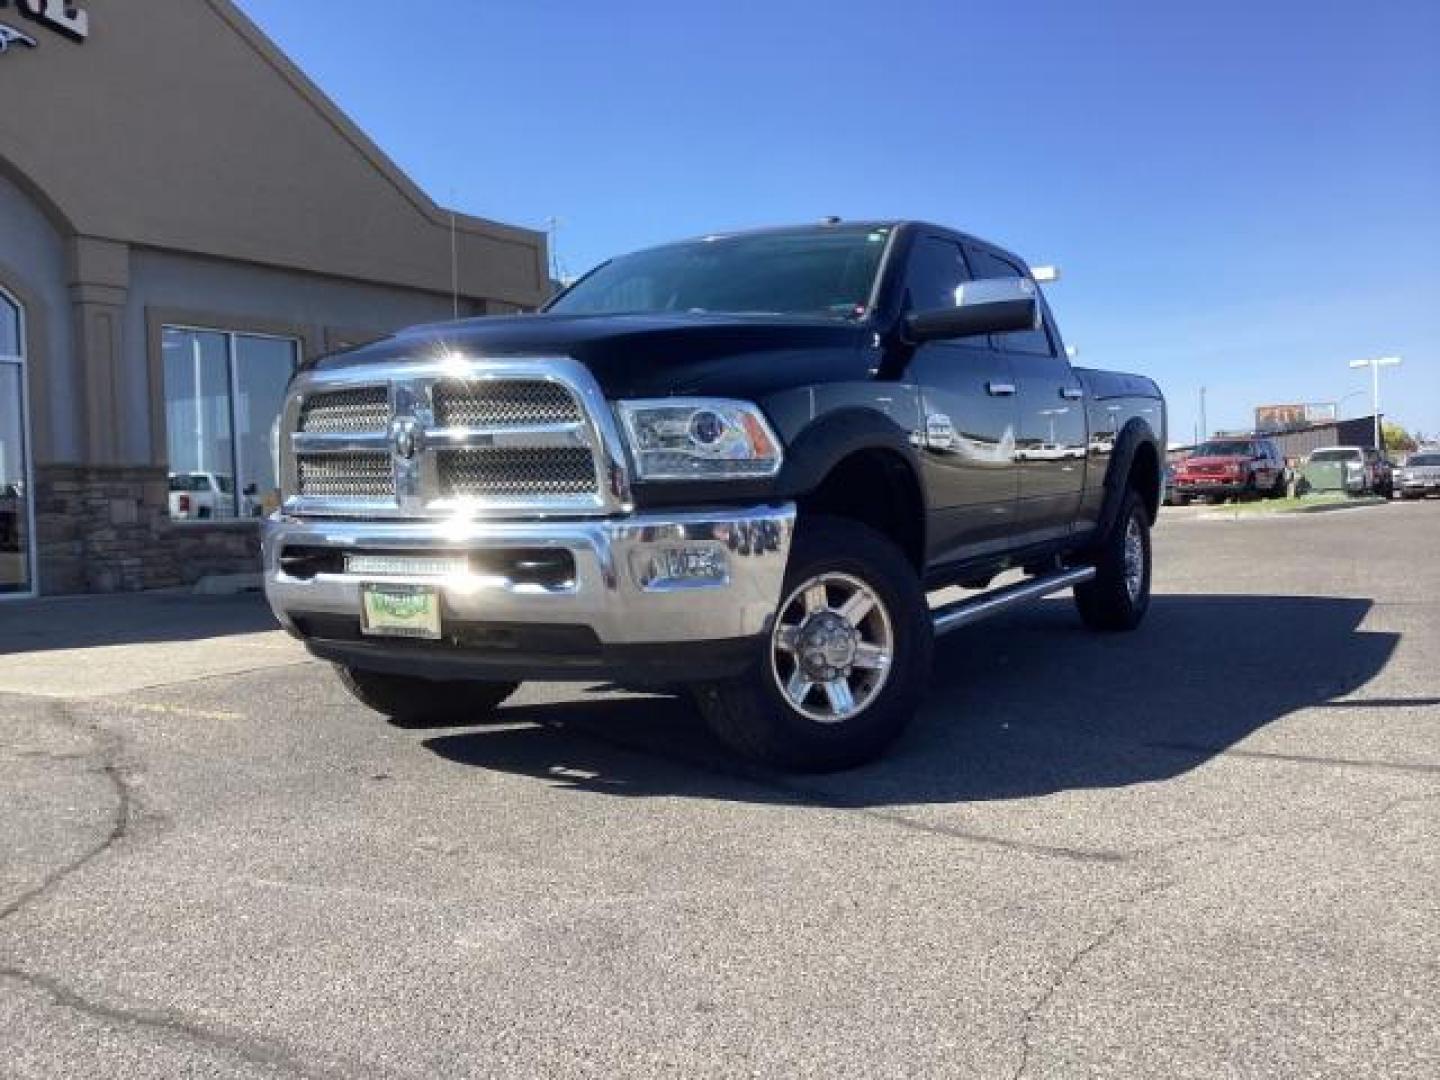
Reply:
x=658, y=597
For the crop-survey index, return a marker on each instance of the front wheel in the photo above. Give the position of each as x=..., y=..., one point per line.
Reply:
x=845, y=662
x=1118, y=596
x=411, y=702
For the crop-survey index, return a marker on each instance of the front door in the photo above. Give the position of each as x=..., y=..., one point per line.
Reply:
x=966, y=428
x=17, y=558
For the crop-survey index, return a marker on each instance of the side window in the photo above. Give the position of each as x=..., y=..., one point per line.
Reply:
x=937, y=268
x=1036, y=342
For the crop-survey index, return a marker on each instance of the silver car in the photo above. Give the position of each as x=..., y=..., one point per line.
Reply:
x=1419, y=476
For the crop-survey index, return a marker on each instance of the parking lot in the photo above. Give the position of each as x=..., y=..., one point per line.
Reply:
x=1206, y=849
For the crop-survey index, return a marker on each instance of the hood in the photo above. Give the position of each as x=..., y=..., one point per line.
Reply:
x=638, y=355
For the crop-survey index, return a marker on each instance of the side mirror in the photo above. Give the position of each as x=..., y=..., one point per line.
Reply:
x=988, y=306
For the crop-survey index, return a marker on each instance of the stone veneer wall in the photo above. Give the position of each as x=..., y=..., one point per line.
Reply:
x=108, y=529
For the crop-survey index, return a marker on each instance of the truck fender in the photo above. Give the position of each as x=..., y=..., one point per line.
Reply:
x=1135, y=434
x=835, y=436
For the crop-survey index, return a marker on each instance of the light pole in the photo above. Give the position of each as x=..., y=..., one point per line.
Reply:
x=1204, y=428
x=1375, y=364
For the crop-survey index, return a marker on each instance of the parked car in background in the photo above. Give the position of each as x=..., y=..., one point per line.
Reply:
x=1354, y=470
x=1231, y=468
x=201, y=496
x=1420, y=476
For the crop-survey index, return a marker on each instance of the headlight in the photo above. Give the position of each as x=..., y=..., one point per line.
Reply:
x=699, y=438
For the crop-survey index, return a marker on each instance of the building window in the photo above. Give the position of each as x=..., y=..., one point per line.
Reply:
x=16, y=521
x=223, y=394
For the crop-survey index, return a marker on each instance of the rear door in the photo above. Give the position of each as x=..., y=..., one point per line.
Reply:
x=966, y=431
x=1050, y=441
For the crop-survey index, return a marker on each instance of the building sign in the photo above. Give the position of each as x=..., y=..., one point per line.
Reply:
x=63, y=16
x=10, y=36
x=1293, y=417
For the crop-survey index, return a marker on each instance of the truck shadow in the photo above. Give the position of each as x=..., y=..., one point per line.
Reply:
x=1028, y=704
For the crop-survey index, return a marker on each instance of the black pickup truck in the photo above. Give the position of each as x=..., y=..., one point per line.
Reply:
x=738, y=464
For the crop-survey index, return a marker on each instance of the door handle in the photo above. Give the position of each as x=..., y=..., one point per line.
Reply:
x=1071, y=393
x=999, y=389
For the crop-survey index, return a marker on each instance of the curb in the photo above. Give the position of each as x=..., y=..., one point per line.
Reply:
x=1319, y=508
x=227, y=584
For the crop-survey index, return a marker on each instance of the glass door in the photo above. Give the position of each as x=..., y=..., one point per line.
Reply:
x=17, y=519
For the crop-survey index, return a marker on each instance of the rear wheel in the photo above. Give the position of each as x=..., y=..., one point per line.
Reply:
x=846, y=660
x=1119, y=594
x=412, y=702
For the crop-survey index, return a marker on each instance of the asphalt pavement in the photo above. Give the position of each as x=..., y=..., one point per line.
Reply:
x=1205, y=849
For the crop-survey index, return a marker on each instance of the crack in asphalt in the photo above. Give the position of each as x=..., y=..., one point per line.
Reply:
x=107, y=750
x=1073, y=963
x=1107, y=936
x=248, y=1050
x=1293, y=759
x=108, y=746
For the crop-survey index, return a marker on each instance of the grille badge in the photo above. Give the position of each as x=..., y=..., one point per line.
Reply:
x=405, y=437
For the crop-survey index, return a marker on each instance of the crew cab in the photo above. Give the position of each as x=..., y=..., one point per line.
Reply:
x=1226, y=468
x=737, y=463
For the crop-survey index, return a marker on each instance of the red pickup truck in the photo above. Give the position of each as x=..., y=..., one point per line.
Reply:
x=1225, y=468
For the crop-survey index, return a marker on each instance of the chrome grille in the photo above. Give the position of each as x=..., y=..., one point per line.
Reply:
x=364, y=408
x=514, y=473
x=429, y=438
x=503, y=403
x=358, y=475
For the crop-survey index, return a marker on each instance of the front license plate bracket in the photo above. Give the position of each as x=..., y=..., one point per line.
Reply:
x=409, y=611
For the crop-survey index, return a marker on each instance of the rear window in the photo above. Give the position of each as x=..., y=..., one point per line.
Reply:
x=1423, y=459
x=1335, y=455
x=1225, y=449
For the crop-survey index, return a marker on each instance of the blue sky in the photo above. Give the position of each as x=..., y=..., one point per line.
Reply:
x=1240, y=195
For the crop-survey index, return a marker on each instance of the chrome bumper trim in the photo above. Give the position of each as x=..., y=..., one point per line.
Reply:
x=613, y=591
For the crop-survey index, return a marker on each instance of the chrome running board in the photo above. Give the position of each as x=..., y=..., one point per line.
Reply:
x=964, y=612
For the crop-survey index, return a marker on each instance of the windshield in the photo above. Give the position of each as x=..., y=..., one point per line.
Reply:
x=819, y=272
x=1423, y=459
x=1335, y=455
x=1225, y=449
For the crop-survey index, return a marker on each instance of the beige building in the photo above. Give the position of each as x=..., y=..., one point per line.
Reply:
x=185, y=217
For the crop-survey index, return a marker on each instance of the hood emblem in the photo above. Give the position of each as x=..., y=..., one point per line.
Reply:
x=404, y=438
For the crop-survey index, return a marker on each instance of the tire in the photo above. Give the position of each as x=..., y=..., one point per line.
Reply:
x=1115, y=600
x=1277, y=489
x=755, y=715
x=411, y=702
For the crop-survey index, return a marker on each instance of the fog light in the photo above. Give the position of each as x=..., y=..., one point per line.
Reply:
x=678, y=567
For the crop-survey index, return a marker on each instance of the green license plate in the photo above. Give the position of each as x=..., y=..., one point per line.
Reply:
x=411, y=611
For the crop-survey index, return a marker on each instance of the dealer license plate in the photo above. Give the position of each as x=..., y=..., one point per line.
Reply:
x=411, y=611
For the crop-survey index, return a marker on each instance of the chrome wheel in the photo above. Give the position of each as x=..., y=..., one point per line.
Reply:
x=831, y=648
x=1134, y=558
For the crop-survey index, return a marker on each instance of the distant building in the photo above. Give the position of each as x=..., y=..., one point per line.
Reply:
x=1299, y=442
